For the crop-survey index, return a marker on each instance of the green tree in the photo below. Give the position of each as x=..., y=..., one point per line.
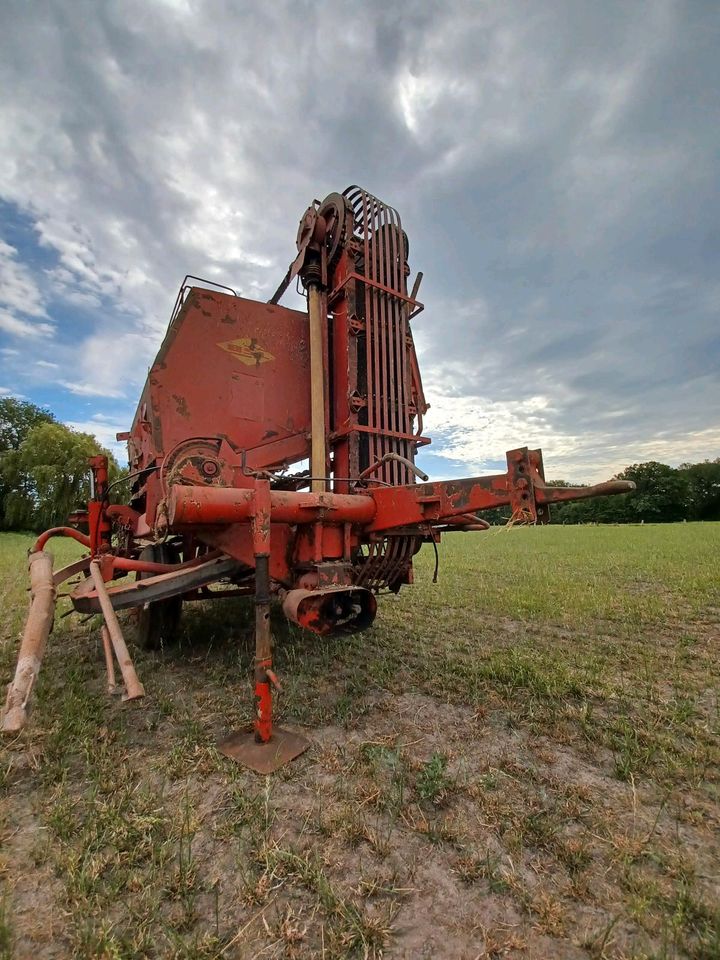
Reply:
x=661, y=496
x=703, y=489
x=661, y=492
x=47, y=477
x=17, y=418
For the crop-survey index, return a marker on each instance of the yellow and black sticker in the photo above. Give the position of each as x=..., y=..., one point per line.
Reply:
x=247, y=350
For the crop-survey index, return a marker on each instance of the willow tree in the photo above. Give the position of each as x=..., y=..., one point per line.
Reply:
x=47, y=477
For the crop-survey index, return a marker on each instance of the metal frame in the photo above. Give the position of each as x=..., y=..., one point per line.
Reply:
x=239, y=392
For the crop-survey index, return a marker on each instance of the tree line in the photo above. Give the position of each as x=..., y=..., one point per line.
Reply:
x=44, y=472
x=44, y=477
x=663, y=494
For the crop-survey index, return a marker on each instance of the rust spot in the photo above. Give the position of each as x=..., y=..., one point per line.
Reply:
x=181, y=405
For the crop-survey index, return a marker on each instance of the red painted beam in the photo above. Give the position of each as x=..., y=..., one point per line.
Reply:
x=223, y=505
x=434, y=502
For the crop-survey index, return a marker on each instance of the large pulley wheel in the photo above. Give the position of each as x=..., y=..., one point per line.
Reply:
x=337, y=215
x=159, y=622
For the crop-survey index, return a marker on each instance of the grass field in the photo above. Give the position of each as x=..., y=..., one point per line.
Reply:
x=519, y=761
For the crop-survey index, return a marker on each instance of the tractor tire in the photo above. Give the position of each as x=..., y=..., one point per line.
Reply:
x=158, y=623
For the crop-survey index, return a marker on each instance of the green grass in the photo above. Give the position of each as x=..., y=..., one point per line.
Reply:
x=532, y=741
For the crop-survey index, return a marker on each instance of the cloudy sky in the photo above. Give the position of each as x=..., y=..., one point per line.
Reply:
x=555, y=165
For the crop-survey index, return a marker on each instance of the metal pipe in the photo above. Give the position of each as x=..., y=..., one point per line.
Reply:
x=399, y=459
x=133, y=688
x=469, y=520
x=222, y=505
x=463, y=528
x=263, y=651
x=59, y=532
x=109, y=665
x=32, y=648
x=317, y=388
x=147, y=566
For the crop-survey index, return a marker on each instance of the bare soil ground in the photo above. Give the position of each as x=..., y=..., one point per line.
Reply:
x=521, y=761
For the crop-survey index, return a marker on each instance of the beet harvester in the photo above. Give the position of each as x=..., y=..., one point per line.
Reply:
x=273, y=454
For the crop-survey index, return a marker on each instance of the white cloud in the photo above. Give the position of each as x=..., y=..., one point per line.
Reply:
x=19, y=291
x=105, y=433
x=19, y=327
x=478, y=431
x=88, y=389
x=115, y=362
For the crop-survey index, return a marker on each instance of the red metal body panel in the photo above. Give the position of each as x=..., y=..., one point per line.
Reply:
x=231, y=368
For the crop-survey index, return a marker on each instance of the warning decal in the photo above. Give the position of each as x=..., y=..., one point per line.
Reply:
x=247, y=350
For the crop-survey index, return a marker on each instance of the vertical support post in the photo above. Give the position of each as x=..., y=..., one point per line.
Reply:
x=263, y=639
x=520, y=487
x=317, y=318
x=97, y=520
x=344, y=360
x=263, y=651
x=264, y=749
x=318, y=529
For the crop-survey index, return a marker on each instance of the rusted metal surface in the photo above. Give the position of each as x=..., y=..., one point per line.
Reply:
x=273, y=452
x=331, y=609
x=127, y=595
x=264, y=758
x=220, y=506
x=228, y=367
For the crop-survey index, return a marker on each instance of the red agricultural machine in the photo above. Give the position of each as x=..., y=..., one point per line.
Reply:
x=272, y=454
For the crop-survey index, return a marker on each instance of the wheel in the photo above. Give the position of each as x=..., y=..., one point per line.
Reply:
x=158, y=622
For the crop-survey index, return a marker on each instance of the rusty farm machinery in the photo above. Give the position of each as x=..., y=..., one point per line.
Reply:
x=273, y=454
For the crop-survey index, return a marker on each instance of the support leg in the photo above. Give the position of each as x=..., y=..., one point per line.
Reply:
x=263, y=652
x=109, y=664
x=134, y=690
x=266, y=748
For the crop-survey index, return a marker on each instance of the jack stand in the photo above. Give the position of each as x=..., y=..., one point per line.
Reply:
x=263, y=749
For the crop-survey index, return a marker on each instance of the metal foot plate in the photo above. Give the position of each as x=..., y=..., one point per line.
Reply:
x=283, y=747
